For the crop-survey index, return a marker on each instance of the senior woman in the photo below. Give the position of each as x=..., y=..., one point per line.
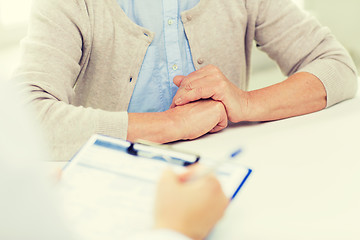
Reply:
x=168, y=70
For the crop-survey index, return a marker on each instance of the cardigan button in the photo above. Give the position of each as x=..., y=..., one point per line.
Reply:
x=188, y=17
x=200, y=61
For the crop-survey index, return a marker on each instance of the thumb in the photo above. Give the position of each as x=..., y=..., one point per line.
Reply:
x=168, y=175
x=178, y=79
x=190, y=171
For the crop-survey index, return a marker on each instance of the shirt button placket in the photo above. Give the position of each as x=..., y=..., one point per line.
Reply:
x=172, y=38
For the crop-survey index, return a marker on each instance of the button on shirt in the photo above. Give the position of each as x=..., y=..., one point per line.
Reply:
x=167, y=56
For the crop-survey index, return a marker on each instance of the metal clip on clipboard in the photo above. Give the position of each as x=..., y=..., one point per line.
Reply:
x=156, y=151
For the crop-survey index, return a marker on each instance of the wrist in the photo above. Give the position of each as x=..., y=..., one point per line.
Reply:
x=174, y=125
x=253, y=110
x=248, y=108
x=242, y=112
x=171, y=126
x=156, y=127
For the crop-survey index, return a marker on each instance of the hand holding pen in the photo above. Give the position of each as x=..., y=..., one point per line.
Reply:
x=183, y=205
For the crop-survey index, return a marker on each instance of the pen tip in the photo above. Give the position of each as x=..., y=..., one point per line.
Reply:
x=237, y=152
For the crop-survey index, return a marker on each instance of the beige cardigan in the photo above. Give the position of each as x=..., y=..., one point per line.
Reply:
x=81, y=58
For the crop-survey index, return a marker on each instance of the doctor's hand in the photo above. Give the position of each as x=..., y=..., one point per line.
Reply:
x=210, y=82
x=191, y=208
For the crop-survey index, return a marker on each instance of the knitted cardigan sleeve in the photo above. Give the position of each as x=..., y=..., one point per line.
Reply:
x=298, y=43
x=53, y=55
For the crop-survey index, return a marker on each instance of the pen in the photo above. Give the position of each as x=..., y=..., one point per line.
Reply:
x=152, y=150
x=210, y=169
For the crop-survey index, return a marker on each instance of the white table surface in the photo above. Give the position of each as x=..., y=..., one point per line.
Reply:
x=306, y=176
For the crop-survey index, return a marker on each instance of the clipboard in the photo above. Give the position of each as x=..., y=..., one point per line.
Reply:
x=109, y=186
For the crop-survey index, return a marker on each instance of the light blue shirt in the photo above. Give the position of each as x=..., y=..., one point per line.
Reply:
x=167, y=56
